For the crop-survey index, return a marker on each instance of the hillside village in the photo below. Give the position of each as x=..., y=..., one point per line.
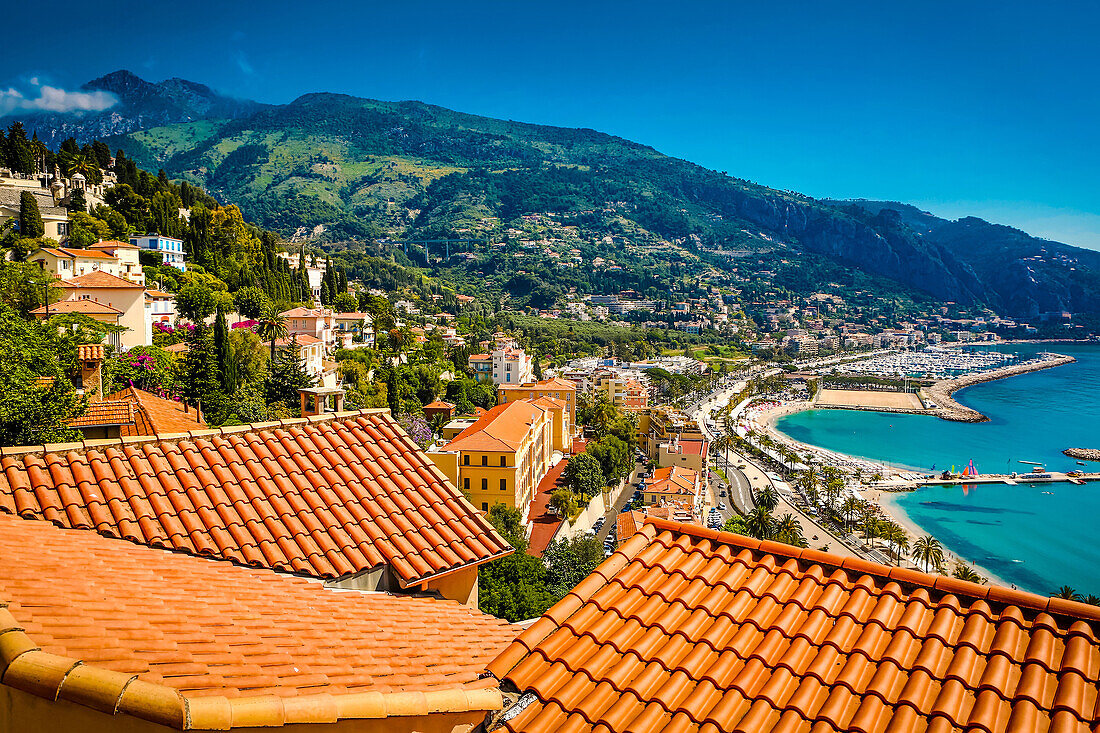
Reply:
x=246, y=485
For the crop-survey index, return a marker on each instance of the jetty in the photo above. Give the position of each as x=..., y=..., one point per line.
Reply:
x=1046, y=477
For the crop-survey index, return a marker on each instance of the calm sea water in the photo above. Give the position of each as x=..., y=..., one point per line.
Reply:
x=1039, y=536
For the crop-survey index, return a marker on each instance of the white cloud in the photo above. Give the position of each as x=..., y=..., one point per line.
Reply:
x=54, y=99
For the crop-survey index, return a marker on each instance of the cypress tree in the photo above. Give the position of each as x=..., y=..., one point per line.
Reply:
x=226, y=366
x=77, y=202
x=326, y=294
x=30, y=218
x=19, y=155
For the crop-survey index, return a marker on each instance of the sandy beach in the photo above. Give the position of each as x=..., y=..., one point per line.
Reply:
x=764, y=420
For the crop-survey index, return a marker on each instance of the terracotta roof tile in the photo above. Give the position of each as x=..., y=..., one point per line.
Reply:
x=186, y=641
x=688, y=629
x=90, y=352
x=103, y=413
x=502, y=428
x=78, y=305
x=250, y=496
x=98, y=279
x=155, y=415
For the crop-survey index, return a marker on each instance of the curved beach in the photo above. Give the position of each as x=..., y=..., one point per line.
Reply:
x=764, y=420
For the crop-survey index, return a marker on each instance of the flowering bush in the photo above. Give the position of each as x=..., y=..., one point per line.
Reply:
x=146, y=367
x=417, y=428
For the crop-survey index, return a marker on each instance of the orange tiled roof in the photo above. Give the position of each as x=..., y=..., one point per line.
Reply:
x=113, y=244
x=90, y=352
x=104, y=412
x=328, y=496
x=194, y=643
x=98, y=279
x=157, y=416
x=689, y=629
x=439, y=405
x=672, y=480
x=79, y=305
x=502, y=428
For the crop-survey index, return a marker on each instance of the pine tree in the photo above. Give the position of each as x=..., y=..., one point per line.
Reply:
x=30, y=218
x=200, y=367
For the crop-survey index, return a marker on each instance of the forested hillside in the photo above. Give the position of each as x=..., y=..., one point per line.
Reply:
x=348, y=172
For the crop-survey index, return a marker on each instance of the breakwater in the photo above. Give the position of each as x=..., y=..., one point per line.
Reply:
x=1083, y=454
x=941, y=393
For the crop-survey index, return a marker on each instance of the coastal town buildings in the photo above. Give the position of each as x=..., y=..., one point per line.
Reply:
x=661, y=425
x=676, y=484
x=315, y=272
x=102, y=293
x=51, y=194
x=319, y=323
x=554, y=388
x=502, y=456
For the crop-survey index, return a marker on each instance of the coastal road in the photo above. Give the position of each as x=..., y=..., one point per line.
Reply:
x=738, y=490
x=612, y=514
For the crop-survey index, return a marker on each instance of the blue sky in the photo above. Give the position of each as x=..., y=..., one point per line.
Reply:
x=976, y=108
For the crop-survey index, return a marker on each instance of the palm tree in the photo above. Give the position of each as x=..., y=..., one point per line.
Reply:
x=760, y=524
x=271, y=326
x=767, y=498
x=73, y=163
x=899, y=538
x=787, y=529
x=965, y=572
x=870, y=527
x=1067, y=593
x=1091, y=600
x=849, y=508
x=928, y=551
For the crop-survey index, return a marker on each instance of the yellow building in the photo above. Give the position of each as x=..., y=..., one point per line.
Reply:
x=625, y=393
x=556, y=388
x=501, y=457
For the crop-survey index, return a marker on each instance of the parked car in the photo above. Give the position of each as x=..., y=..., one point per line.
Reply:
x=722, y=492
x=721, y=507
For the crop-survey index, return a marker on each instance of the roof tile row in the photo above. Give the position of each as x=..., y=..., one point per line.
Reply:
x=688, y=629
x=186, y=641
x=328, y=498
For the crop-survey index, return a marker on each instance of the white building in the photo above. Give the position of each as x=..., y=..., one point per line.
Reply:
x=170, y=249
x=511, y=366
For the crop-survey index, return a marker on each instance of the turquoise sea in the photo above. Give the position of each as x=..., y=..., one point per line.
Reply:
x=1038, y=537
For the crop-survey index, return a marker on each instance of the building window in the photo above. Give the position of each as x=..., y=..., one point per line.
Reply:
x=485, y=460
x=466, y=484
x=484, y=484
x=465, y=460
x=503, y=462
x=484, y=506
x=504, y=484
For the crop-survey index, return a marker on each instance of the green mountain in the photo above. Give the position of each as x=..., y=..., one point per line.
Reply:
x=348, y=171
x=1020, y=274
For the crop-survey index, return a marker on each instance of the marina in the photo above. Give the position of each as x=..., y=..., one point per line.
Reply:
x=931, y=363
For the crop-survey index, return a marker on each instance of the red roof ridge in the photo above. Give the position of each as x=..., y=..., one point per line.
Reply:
x=16, y=450
x=902, y=576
